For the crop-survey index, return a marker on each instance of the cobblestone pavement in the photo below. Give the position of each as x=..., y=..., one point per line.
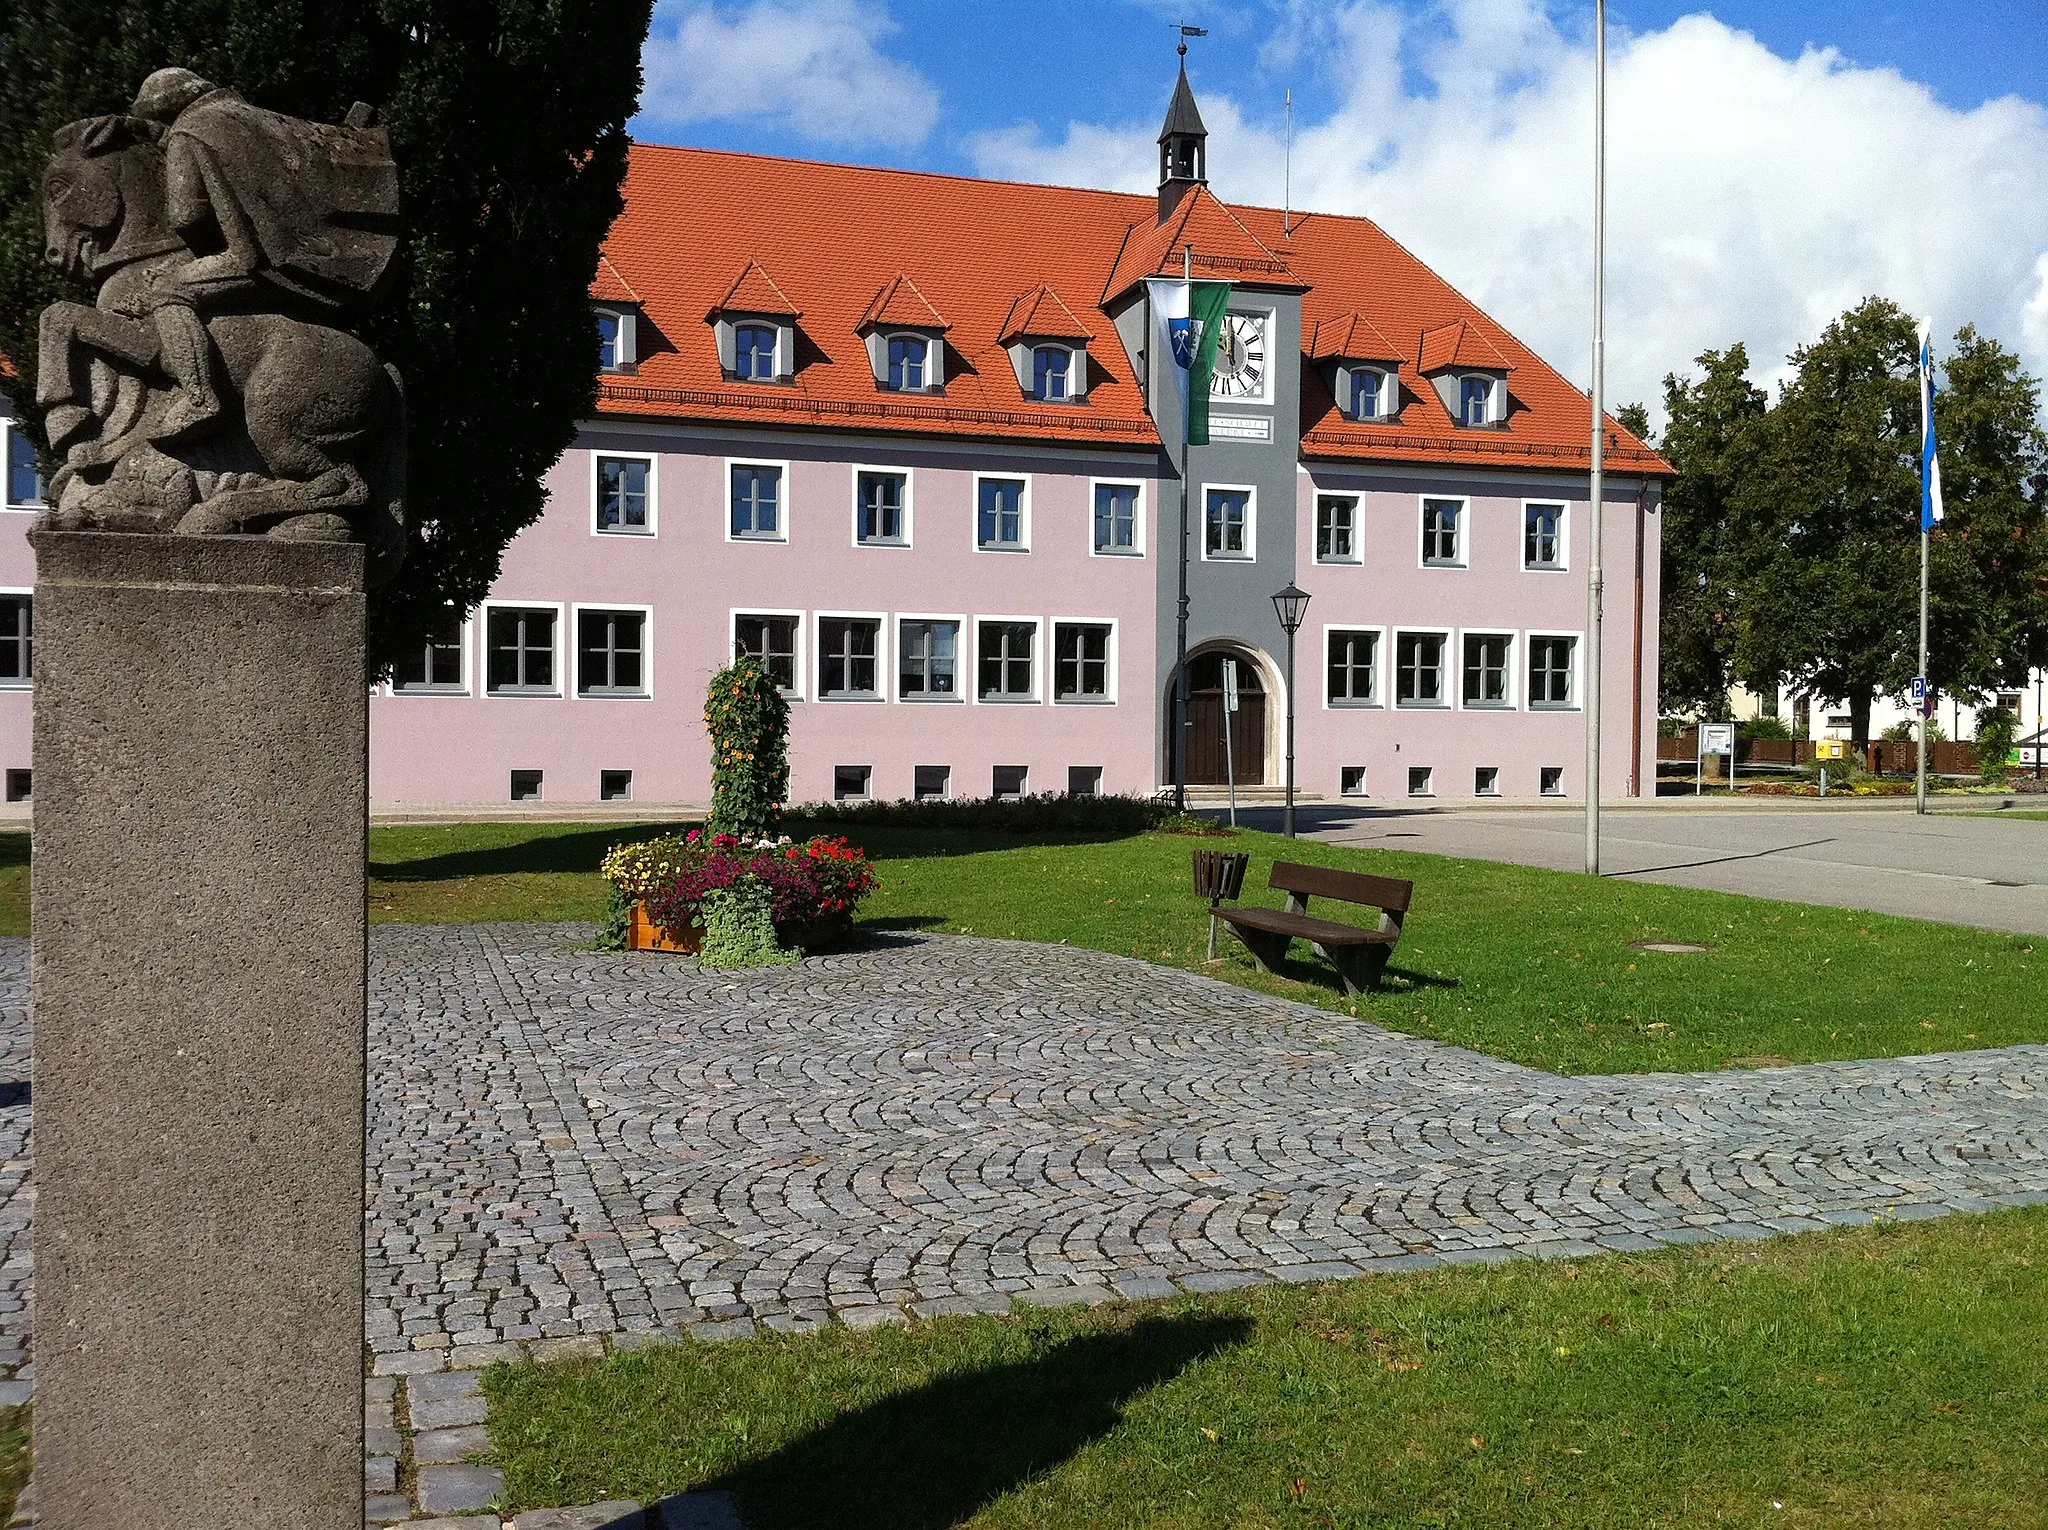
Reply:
x=569, y=1144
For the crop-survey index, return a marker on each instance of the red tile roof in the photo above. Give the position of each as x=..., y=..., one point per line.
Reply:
x=610, y=287
x=850, y=243
x=1042, y=312
x=1351, y=337
x=1458, y=344
x=901, y=303
x=755, y=292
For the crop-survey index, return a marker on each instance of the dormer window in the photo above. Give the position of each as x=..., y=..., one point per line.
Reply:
x=615, y=336
x=1368, y=393
x=1475, y=401
x=753, y=352
x=1050, y=365
x=907, y=356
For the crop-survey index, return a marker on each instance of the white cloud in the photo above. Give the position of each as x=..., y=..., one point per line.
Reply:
x=1751, y=197
x=809, y=66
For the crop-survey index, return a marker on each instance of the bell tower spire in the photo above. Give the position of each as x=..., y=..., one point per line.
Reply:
x=1183, y=141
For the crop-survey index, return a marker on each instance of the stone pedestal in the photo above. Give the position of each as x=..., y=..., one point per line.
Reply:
x=201, y=762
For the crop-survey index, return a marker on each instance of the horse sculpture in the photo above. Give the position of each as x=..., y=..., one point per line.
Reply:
x=211, y=388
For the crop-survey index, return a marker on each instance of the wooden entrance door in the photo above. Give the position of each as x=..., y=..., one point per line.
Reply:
x=1205, y=723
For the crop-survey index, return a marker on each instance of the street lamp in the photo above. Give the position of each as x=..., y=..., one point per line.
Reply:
x=1290, y=605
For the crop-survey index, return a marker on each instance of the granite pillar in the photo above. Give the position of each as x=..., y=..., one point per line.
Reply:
x=201, y=762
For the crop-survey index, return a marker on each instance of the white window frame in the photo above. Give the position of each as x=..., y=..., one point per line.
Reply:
x=1379, y=668
x=964, y=658
x=1357, y=499
x=1564, y=538
x=884, y=654
x=1023, y=515
x=1109, y=696
x=1269, y=324
x=1464, y=558
x=1251, y=523
x=1578, y=671
x=573, y=646
x=9, y=428
x=787, y=509
x=466, y=656
x=909, y=493
x=799, y=643
x=1138, y=515
x=1447, y=699
x=653, y=461
x=27, y=682
x=483, y=654
x=1038, y=661
x=1513, y=699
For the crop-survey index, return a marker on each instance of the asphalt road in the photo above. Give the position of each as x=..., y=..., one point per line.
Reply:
x=1991, y=872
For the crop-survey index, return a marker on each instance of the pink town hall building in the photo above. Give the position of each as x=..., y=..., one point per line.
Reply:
x=910, y=439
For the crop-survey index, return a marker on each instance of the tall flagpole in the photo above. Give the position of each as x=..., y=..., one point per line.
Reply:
x=1180, y=642
x=1920, y=764
x=1596, y=577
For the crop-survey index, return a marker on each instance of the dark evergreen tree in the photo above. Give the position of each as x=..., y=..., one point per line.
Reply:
x=1712, y=436
x=508, y=120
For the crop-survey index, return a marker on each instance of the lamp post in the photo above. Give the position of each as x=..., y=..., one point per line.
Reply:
x=1290, y=605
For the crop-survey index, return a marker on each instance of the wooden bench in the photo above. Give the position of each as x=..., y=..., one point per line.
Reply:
x=1359, y=955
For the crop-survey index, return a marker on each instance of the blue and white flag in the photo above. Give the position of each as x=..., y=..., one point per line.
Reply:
x=1930, y=463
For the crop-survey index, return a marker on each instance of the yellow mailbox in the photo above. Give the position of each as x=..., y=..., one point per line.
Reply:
x=1831, y=749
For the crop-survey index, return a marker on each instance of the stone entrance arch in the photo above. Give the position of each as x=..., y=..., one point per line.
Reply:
x=1260, y=702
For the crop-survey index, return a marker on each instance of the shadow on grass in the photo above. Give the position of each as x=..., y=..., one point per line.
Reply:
x=1313, y=972
x=930, y=1458
x=545, y=850
x=13, y=849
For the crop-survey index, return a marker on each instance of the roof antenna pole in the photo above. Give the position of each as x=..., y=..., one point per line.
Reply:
x=1287, y=174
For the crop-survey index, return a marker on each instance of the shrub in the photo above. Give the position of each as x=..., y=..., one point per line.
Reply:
x=739, y=927
x=749, y=724
x=1996, y=729
x=1046, y=813
x=1763, y=727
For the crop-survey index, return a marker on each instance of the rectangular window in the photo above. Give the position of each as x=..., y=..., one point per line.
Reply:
x=1543, y=536
x=756, y=501
x=615, y=786
x=753, y=352
x=1336, y=529
x=1354, y=669
x=611, y=653
x=906, y=361
x=526, y=786
x=880, y=509
x=436, y=664
x=1006, y=652
x=608, y=342
x=851, y=783
x=772, y=640
x=25, y=486
x=522, y=651
x=1367, y=385
x=1550, y=671
x=846, y=657
x=1010, y=782
x=1475, y=400
x=1351, y=781
x=1440, y=532
x=926, y=655
x=1049, y=365
x=1486, y=781
x=622, y=494
x=1486, y=669
x=1000, y=517
x=20, y=785
x=1084, y=780
x=1419, y=669
x=1116, y=517
x=1550, y=779
x=1226, y=524
x=1080, y=662
x=17, y=639
x=1420, y=778
x=931, y=783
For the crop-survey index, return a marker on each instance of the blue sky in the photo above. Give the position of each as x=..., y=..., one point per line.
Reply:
x=1770, y=164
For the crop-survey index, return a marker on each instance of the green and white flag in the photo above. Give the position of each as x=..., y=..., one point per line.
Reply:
x=1190, y=316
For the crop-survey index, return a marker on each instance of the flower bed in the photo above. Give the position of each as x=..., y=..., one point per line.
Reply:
x=814, y=887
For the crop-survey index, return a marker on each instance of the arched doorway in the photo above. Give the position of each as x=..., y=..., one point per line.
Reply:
x=1247, y=729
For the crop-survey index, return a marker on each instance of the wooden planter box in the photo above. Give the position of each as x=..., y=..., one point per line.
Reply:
x=642, y=934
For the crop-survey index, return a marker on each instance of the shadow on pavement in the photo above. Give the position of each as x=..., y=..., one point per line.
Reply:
x=932, y=1457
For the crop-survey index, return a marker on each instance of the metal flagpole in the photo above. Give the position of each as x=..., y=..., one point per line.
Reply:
x=1920, y=765
x=1180, y=648
x=1596, y=577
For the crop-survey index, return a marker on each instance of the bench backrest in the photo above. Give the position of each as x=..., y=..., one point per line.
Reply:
x=1347, y=886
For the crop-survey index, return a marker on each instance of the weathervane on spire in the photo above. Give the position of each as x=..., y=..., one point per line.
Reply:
x=1186, y=32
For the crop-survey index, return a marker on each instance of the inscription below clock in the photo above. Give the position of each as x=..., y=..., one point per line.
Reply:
x=1240, y=357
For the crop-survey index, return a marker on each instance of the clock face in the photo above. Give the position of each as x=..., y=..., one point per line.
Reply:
x=1241, y=357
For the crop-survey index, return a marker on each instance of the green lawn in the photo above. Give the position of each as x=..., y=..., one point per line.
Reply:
x=1894, y=1376
x=1532, y=965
